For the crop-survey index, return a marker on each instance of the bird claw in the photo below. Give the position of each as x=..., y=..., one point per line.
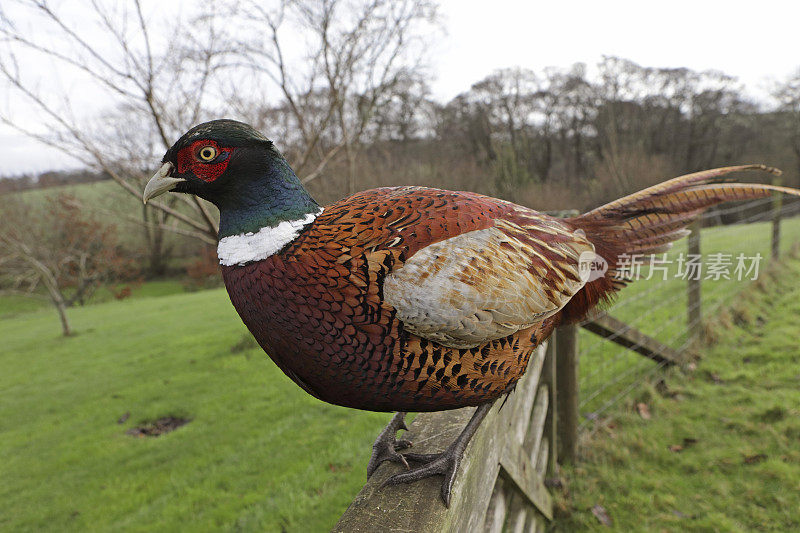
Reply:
x=387, y=451
x=387, y=445
x=445, y=463
x=421, y=457
x=433, y=464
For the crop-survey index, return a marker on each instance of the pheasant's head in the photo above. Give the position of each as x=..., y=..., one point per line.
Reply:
x=238, y=169
x=213, y=160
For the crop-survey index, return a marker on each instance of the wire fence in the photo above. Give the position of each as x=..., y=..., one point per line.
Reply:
x=658, y=303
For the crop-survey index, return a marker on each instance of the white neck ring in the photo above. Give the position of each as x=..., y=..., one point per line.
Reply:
x=249, y=247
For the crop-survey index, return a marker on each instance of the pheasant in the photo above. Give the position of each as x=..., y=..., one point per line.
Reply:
x=412, y=298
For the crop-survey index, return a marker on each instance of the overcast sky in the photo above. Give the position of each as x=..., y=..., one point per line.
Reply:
x=756, y=41
x=753, y=40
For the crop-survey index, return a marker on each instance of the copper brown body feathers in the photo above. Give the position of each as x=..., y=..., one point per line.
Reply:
x=417, y=299
x=319, y=309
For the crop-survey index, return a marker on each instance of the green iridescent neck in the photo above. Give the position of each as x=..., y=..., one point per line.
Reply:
x=274, y=196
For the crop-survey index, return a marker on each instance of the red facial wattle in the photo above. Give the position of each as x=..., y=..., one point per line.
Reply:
x=208, y=171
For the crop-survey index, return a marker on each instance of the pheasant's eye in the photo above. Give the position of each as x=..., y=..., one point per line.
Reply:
x=207, y=153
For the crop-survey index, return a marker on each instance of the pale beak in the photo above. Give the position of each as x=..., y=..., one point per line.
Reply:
x=160, y=183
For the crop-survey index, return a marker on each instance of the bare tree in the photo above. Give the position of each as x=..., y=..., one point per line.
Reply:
x=526, y=110
x=508, y=98
x=60, y=246
x=664, y=120
x=158, y=94
x=358, y=56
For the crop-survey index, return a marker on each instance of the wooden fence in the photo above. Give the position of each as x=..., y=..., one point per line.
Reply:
x=502, y=482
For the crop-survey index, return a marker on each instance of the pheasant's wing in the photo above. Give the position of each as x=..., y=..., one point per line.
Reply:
x=489, y=283
x=458, y=268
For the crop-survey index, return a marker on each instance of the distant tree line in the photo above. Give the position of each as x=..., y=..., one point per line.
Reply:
x=52, y=178
x=568, y=139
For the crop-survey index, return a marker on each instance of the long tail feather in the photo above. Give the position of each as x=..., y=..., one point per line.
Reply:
x=660, y=193
x=650, y=220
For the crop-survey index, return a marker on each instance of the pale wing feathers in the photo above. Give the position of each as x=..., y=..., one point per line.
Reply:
x=487, y=284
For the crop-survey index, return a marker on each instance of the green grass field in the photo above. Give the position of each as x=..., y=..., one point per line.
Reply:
x=12, y=305
x=258, y=454
x=736, y=419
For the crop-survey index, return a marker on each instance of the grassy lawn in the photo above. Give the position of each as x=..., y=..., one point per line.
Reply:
x=259, y=453
x=735, y=421
x=12, y=305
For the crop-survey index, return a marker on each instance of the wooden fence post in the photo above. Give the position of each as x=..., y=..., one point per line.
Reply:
x=694, y=315
x=777, y=205
x=551, y=422
x=567, y=385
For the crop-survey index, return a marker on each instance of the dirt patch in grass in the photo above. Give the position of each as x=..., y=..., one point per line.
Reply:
x=245, y=343
x=158, y=427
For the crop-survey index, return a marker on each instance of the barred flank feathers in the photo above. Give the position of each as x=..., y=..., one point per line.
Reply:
x=650, y=220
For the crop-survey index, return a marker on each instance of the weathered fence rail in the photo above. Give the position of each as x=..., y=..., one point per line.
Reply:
x=501, y=483
x=614, y=330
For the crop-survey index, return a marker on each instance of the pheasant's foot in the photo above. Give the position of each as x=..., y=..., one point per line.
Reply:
x=445, y=463
x=386, y=445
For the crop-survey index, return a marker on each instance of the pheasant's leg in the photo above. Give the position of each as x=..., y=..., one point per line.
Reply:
x=445, y=463
x=386, y=445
